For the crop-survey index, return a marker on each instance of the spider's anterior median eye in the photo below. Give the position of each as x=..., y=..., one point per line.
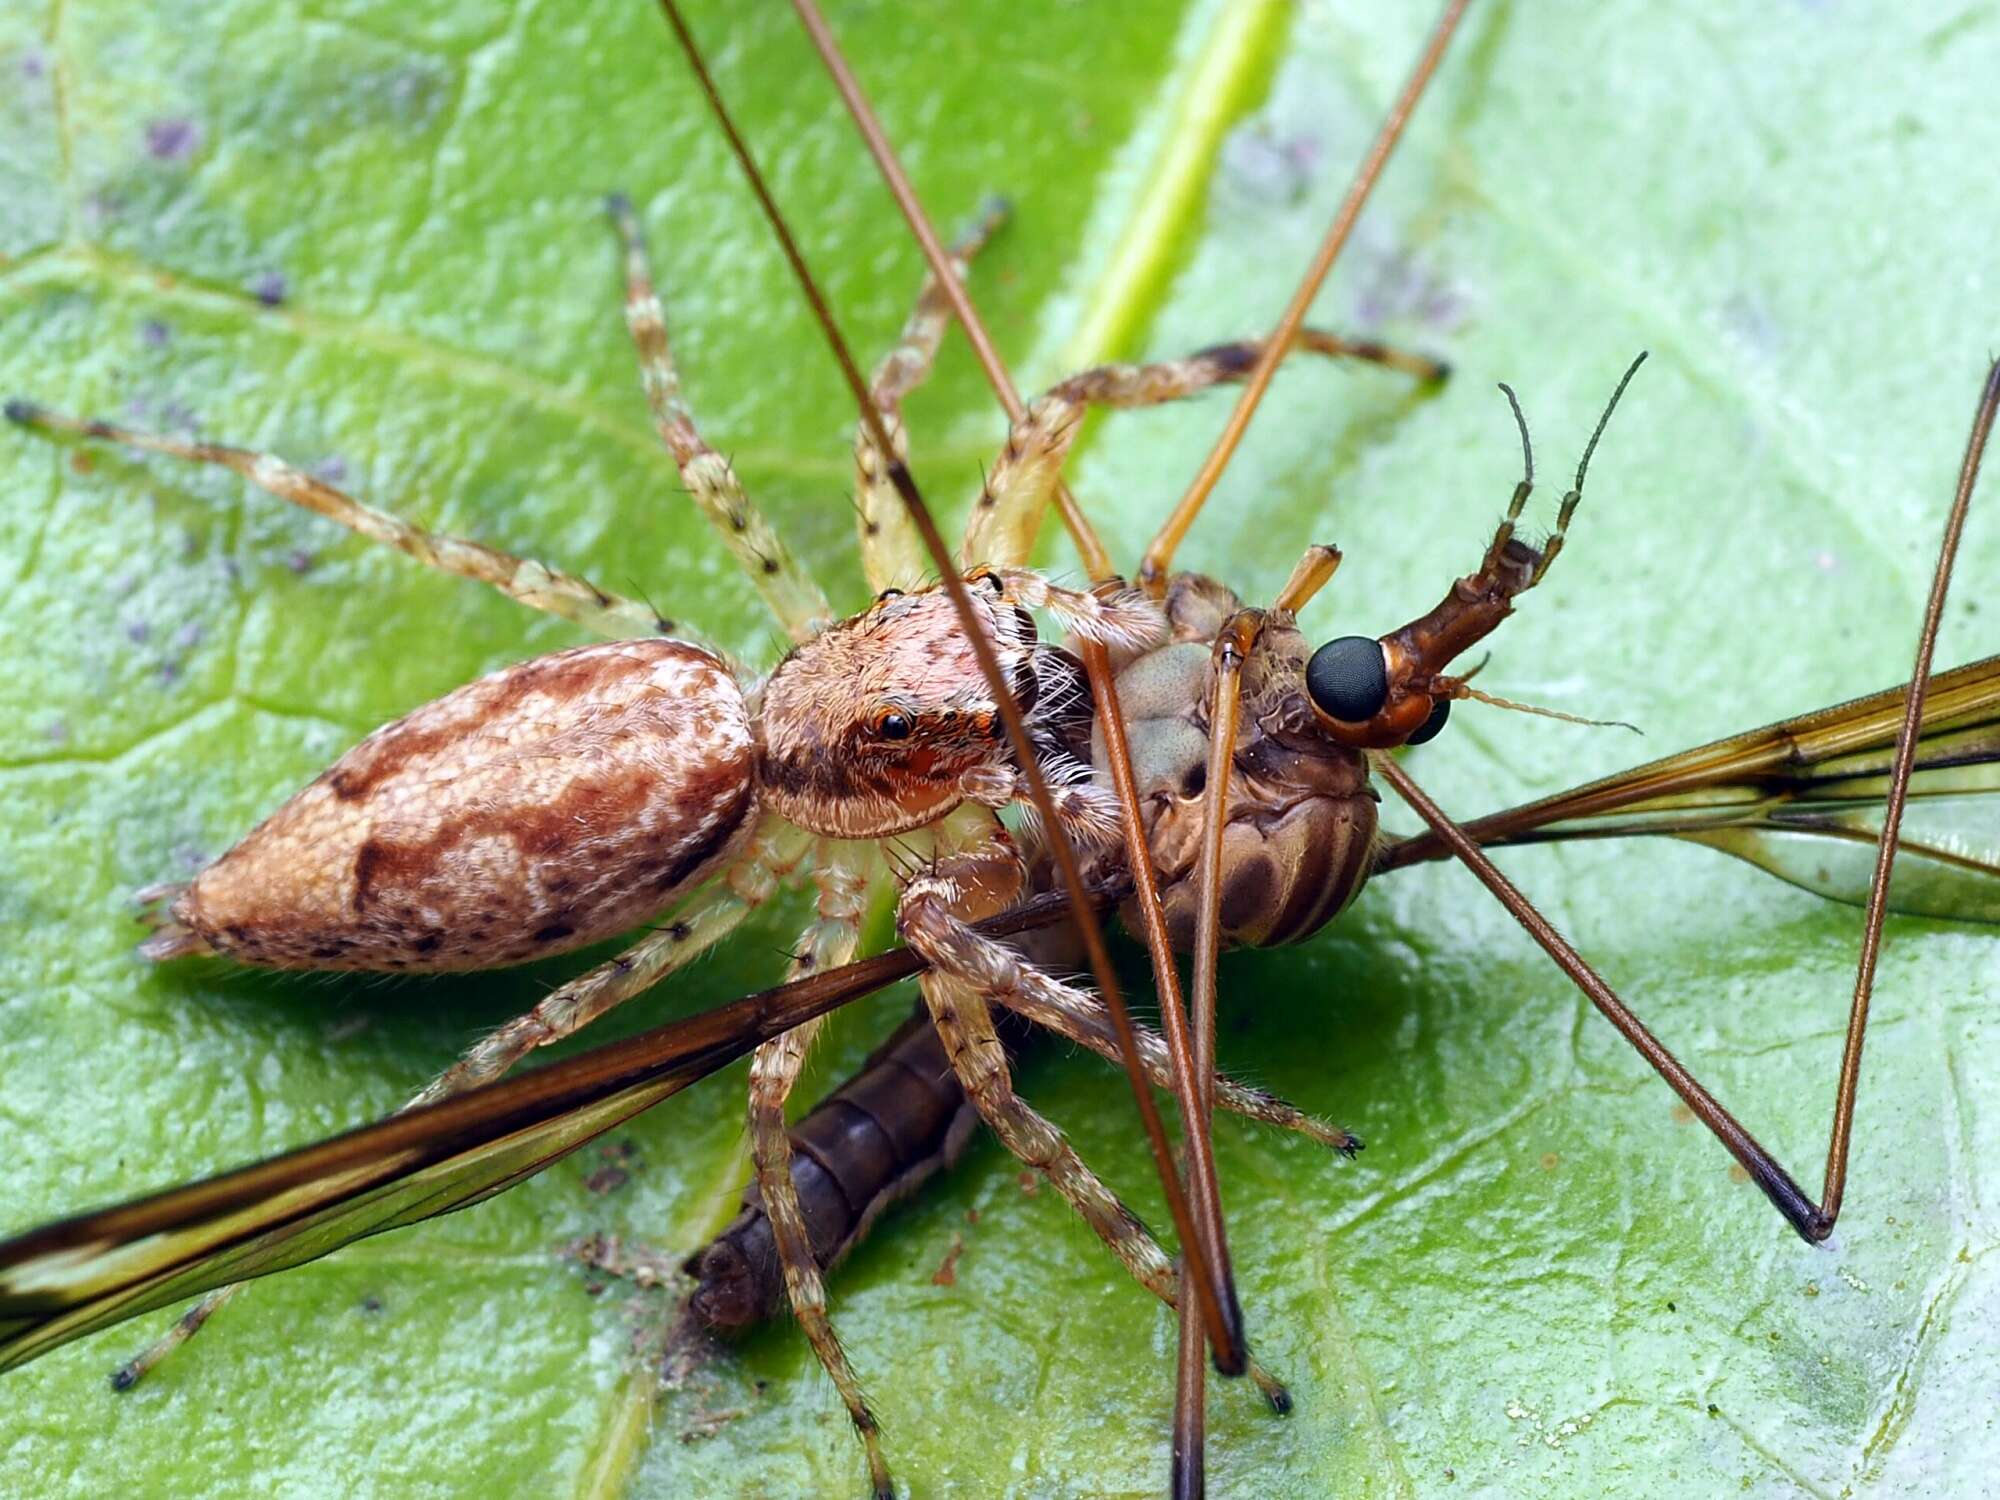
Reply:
x=887, y=594
x=988, y=577
x=890, y=724
x=1440, y=711
x=1348, y=679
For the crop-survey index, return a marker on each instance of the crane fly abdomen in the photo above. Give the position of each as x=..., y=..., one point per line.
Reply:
x=547, y=805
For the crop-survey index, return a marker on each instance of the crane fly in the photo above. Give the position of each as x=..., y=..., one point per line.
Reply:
x=1777, y=833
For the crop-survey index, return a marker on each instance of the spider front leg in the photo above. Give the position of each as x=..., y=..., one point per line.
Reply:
x=1008, y=512
x=521, y=579
x=892, y=554
x=934, y=917
x=712, y=483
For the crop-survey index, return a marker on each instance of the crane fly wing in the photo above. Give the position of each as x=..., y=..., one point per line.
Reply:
x=1803, y=799
x=73, y=1277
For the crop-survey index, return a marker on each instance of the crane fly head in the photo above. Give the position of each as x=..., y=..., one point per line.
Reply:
x=1376, y=694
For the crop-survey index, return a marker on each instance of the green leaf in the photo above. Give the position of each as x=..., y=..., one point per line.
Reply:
x=1540, y=1279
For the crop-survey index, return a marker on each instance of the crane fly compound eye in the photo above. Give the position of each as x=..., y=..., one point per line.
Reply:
x=1348, y=679
x=890, y=724
x=1440, y=711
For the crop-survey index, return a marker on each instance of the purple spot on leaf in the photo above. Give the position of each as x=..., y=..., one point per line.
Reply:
x=300, y=561
x=34, y=65
x=138, y=632
x=154, y=334
x=170, y=672
x=269, y=289
x=1275, y=169
x=57, y=731
x=333, y=470
x=1397, y=285
x=173, y=140
x=188, y=636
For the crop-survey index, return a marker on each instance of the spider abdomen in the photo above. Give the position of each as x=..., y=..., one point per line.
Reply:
x=548, y=805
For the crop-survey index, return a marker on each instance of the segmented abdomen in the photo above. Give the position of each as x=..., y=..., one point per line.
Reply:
x=886, y=1131
x=545, y=806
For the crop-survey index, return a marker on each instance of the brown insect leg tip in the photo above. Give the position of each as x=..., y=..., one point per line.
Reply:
x=24, y=412
x=618, y=204
x=127, y=1375
x=1280, y=1399
x=173, y=941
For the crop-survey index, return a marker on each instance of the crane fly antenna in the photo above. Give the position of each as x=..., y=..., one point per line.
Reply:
x=1223, y=1318
x=1527, y=445
x=1211, y=1266
x=1583, y=464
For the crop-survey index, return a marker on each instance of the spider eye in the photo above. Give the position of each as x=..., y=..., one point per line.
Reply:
x=1348, y=679
x=1440, y=711
x=887, y=594
x=988, y=577
x=890, y=724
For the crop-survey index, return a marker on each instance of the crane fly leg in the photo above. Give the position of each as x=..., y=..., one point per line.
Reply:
x=892, y=554
x=1233, y=644
x=774, y=1070
x=521, y=579
x=711, y=482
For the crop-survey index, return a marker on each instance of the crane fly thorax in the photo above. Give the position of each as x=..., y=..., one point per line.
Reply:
x=1302, y=817
x=873, y=727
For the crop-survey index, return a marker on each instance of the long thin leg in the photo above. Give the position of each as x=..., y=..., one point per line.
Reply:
x=933, y=918
x=774, y=1070
x=1081, y=1017
x=1008, y=512
x=1232, y=647
x=706, y=919
x=532, y=583
x=785, y=586
x=892, y=554
x=1813, y=1221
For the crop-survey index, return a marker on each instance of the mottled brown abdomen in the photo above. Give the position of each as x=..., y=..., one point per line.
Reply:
x=545, y=806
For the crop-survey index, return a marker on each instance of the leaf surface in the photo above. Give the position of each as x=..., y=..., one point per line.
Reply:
x=365, y=235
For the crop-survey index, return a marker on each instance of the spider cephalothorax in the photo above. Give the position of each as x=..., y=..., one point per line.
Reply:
x=884, y=722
